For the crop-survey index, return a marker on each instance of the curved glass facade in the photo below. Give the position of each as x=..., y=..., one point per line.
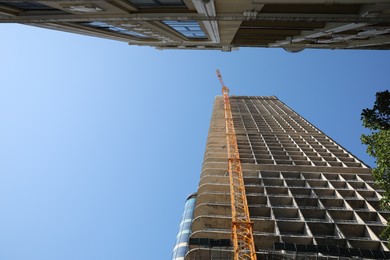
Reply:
x=181, y=245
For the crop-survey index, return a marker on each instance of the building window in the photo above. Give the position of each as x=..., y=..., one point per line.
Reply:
x=113, y=28
x=189, y=29
x=28, y=5
x=146, y=3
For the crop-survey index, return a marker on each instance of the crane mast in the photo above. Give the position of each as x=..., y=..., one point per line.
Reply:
x=242, y=227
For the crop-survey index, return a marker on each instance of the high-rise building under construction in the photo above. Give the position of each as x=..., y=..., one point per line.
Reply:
x=307, y=196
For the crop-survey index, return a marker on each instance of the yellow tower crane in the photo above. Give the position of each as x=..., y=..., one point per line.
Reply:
x=242, y=227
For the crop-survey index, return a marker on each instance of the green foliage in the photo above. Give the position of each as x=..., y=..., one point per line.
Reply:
x=378, y=146
x=385, y=233
x=378, y=118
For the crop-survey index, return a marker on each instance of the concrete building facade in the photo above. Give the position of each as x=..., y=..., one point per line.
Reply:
x=308, y=196
x=215, y=24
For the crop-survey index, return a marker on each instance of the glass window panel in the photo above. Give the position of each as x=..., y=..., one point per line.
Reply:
x=171, y=2
x=28, y=5
x=190, y=29
x=106, y=26
x=180, y=28
x=143, y=2
x=98, y=24
x=157, y=2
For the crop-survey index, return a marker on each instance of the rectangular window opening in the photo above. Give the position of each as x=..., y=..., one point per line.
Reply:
x=189, y=29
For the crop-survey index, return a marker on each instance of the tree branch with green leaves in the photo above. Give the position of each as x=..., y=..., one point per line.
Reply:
x=377, y=119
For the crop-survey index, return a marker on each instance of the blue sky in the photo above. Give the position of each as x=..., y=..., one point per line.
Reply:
x=101, y=142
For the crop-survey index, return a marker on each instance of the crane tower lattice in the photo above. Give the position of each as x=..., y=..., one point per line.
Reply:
x=242, y=227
